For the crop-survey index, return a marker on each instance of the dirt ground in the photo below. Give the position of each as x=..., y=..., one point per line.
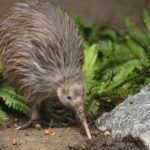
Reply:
x=96, y=10
x=63, y=139
x=32, y=139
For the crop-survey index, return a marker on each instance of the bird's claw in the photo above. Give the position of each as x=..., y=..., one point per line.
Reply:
x=37, y=124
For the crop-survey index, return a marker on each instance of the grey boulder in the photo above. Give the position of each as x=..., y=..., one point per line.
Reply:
x=132, y=117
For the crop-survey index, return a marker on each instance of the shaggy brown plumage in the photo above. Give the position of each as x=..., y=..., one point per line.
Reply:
x=41, y=52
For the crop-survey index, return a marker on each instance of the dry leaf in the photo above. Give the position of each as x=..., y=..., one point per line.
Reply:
x=49, y=132
x=52, y=133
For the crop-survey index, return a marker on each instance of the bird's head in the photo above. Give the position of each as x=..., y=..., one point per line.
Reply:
x=72, y=94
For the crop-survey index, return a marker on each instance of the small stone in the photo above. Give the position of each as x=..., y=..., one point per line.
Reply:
x=15, y=125
x=107, y=133
x=18, y=128
x=16, y=120
x=38, y=127
x=83, y=147
x=14, y=142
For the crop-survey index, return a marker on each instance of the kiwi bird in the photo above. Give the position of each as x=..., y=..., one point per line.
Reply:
x=42, y=55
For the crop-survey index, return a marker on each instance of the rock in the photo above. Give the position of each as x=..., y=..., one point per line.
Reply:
x=132, y=117
x=14, y=142
x=16, y=120
x=38, y=127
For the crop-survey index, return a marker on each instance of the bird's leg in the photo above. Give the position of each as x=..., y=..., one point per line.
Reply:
x=35, y=120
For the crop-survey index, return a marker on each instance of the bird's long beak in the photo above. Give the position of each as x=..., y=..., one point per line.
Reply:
x=80, y=112
x=85, y=125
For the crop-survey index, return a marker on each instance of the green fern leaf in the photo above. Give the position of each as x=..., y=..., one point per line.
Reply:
x=93, y=107
x=124, y=72
x=137, y=50
x=12, y=99
x=137, y=34
x=90, y=65
x=3, y=115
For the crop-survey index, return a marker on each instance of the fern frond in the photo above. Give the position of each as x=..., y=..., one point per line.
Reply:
x=124, y=72
x=137, y=50
x=14, y=100
x=3, y=115
x=90, y=65
x=137, y=34
x=93, y=107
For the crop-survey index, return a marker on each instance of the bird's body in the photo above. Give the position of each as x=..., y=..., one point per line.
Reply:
x=40, y=48
x=41, y=53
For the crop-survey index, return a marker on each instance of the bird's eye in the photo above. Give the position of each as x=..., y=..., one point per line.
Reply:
x=69, y=97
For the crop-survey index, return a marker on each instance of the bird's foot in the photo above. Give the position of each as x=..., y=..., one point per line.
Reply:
x=37, y=124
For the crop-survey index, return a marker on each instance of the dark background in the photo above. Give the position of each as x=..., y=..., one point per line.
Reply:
x=97, y=10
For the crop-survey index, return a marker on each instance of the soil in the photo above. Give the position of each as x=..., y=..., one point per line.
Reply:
x=31, y=139
x=103, y=141
x=68, y=138
x=37, y=140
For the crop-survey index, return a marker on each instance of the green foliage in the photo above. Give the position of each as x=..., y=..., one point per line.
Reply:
x=116, y=66
x=3, y=115
x=13, y=100
x=90, y=67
